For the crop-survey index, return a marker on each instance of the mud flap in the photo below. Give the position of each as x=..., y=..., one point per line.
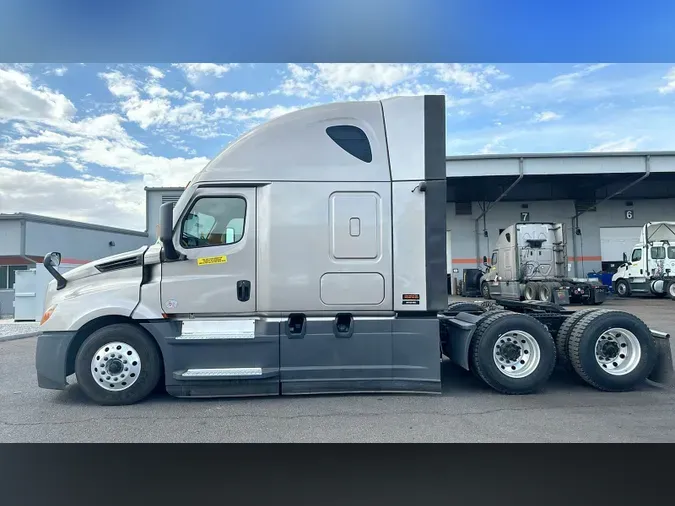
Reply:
x=561, y=296
x=663, y=372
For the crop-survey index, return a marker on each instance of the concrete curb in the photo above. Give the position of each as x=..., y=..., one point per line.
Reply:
x=15, y=337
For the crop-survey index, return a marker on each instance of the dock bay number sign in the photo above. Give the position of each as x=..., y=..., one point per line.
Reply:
x=628, y=213
x=525, y=216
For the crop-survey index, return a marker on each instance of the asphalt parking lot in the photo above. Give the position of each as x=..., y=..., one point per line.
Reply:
x=466, y=411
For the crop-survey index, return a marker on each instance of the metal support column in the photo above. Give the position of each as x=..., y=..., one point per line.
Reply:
x=487, y=206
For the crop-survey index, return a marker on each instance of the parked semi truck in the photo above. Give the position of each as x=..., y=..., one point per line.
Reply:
x=530, y=262
x=309, y=257
x=651, y=268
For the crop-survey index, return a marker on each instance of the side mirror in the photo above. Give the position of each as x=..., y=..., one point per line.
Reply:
x=55, y=259
x=166, y=231
x=485, y=259
x=625, y=258
x=51, y=261
x=229, y=235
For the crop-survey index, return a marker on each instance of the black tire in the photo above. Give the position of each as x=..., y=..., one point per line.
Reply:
x=671, y=290
x=468, y=307
x=563, y=335
x=581, y=348
x=545, y=292
x=489, y=330
x=485, y=290
x=148, y=377
x=622, y=288
x=531, y=291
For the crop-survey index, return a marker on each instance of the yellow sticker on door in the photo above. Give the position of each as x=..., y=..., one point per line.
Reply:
x=212, y=260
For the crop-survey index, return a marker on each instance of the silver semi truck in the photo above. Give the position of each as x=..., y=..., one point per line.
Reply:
x=309, y=257
x=530, y=262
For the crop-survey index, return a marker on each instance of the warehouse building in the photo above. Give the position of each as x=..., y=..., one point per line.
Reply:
x=26, y=238
x=154, y=198
x=602, y=198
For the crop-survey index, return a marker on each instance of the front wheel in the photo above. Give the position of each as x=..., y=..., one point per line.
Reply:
x=117, y=365
x=622, y=288
x=485, y=290
x=513, y=353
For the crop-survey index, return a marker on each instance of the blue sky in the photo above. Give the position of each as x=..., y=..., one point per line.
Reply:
x=81, y=141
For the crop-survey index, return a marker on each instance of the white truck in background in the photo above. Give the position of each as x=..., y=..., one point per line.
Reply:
x=530, y=262
x=651, y=268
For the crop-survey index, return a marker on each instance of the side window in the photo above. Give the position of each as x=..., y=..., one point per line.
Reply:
x=214, y=221
x=353, y=140
x=637, y=255
x=494, y=258
x=671, y=252
x=658, y=253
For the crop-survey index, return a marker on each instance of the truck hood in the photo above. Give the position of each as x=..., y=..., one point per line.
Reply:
x=107, y=264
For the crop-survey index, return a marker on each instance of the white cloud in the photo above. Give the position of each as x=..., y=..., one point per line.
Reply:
x=571, y=78
x=58, y=71
x=264, y=114
x=669, y=87
x=345, y=78
x=201, y=95
x=545, y=116
x=468, y=77
x=155, y=90
x=31, y=159
x=119, y=84
x=195, y=71
x=20, y=99
x=92, y=200
x=238, y=95
x=625, y=144
x=154, y=72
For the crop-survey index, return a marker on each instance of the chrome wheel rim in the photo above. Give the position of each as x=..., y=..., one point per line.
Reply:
x=116, y=366
x=671, y=290
x=486, y=291
x=621, y=288
x=516, y=354
x=618, y=351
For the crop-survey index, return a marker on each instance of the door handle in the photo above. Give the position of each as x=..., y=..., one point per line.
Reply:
x=243, y=290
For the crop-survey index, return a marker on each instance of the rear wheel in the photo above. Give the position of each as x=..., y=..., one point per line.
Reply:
x=513, y=353
x=612, y=350
x=118, y=364
x=622, y=288
x=563, y=335
x=531, y=291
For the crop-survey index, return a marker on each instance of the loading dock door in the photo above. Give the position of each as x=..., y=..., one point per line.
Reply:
x=615, y=241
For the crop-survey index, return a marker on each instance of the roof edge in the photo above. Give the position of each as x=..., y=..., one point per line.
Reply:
x=36, y=218
x=581, y=154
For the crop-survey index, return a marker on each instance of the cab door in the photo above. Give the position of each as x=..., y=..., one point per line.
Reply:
x=636, y=268
x=217, y=236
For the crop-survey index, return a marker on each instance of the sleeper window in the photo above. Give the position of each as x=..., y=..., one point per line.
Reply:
x=353, y=140
x=658, y=253
x=214, y=221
